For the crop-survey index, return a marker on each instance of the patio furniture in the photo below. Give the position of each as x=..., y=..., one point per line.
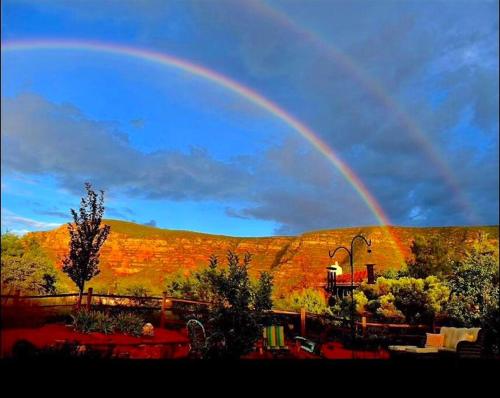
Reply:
x=450, y=342
x=462, y=342
x=308, y=345
x=413, y=352
x=274, y=338
x=197, y=338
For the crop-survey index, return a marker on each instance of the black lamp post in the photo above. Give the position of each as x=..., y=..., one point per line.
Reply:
x=351, y=263
x=331, y=284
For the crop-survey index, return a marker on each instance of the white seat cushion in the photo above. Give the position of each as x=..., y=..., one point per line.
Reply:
x=420, y=350
x=401, y=347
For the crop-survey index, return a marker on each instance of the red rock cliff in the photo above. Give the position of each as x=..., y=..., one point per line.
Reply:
x=136, y=254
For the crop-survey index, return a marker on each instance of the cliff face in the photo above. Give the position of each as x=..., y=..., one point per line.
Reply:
x=140, y=255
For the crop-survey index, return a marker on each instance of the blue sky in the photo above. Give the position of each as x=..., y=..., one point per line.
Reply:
x=179, y=152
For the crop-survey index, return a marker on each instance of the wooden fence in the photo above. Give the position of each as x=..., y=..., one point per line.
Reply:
x=165, y=303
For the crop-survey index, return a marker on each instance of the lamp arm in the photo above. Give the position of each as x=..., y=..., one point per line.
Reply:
x=332, y=254
x=368, y=242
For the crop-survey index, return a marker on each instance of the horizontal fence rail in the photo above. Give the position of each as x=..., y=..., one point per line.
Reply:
x=13, y=296
x=392, y=325
x=99, y=295
x=165, y=303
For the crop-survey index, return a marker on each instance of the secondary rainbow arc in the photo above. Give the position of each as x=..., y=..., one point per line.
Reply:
x=228, y=83
x=377, y=91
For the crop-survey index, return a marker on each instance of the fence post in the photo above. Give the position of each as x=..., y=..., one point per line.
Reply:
x=163, y=305
x=89, y=298
x=303, y=321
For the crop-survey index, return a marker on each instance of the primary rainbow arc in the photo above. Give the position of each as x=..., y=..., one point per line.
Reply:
x=228, y=83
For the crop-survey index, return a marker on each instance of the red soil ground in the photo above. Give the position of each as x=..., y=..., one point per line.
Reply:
x=333, y=351
x=165, y=344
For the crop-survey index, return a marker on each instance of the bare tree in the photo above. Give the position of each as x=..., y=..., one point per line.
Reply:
x=86, y=239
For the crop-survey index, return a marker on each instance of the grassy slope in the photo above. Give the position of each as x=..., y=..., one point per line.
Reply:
x=134, y=230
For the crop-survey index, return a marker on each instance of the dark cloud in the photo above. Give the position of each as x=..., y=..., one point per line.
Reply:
x=297, y=212
x=40, y=137
x=374, y=110
x=234, y=213
x=290, y=183
x=54, y=213
x=123, y=213
x=150, y=223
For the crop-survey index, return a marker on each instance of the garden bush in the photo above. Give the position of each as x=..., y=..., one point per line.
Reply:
x=86, y=321
x=238, y=307
x=128, y=323
x=26, y=267
x=312, y=300
x=104, y=323
x=405, y=299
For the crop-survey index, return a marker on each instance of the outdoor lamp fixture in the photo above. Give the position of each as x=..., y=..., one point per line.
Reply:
x=371, y=273
x=331, y=284
x=350, y=252
x=331, y=278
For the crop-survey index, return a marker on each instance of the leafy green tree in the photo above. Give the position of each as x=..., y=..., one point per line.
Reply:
x=86, y=239
x=420, y=299
x=474, y=285
x=237, y=310
x=181, y=286
x=12, y=245
x=196, y=286
x=474, y=299
x=26, y=267
x=312, y=300
x=387, y=307
x=431, y=256
x=411, y=299
x=491, y=324
x=263, y=291
x=393, y=273
x=203, y=281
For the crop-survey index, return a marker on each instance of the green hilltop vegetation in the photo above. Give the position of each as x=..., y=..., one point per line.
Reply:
x=491, y=230
x=134, y=230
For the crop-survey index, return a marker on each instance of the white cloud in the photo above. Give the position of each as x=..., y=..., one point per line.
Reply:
x=14, y=222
